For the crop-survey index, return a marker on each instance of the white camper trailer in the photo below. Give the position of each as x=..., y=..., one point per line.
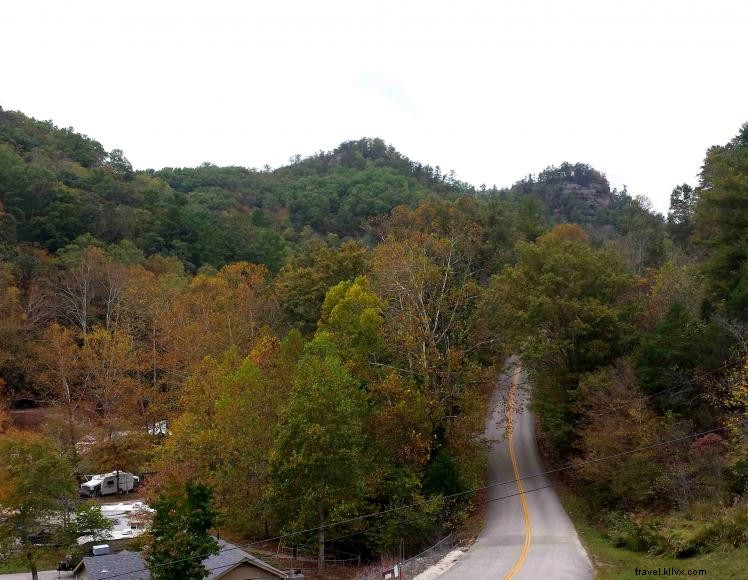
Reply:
x=109, y=484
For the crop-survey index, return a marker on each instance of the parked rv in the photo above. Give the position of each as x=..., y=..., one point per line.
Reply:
x=109, y=484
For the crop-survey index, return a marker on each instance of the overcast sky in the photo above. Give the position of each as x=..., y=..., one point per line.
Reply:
x=494, y=90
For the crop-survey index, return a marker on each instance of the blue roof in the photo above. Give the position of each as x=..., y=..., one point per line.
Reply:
x=128, y=565
x=124, y=565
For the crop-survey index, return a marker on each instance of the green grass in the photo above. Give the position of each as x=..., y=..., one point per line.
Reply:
x=48, y=560
x=613, y=563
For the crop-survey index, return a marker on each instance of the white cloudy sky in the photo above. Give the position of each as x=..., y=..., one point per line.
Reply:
x=493, y=90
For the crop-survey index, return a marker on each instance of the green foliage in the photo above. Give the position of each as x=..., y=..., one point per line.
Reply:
x=680, y=218
x=737, y=477
x=352, y=317
x=180, y=534
x=563, y=301
x=442, y=475
x=641, y=232
x=675, y=538
x=613, y=418
x=36, y=485
x=87, y=521
x=626, y=532
x=722, y=224
x=728, y=529
x=226, y=431
x=304, y=281
x=119, y=164
x=318, y=461
x=678, y=345
x=574, y=193
x=129, y=297
x=29, y=134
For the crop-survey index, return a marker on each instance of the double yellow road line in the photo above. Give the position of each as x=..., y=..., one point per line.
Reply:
x=517, y=478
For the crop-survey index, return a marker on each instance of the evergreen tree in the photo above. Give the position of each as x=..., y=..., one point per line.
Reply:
x=722, y=224
x=180, y=534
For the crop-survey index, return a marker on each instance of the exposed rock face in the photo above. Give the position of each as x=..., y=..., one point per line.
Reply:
x=594, y=194
x=574, y=193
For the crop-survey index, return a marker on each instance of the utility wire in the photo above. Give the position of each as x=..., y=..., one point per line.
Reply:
x=689, y=382
x=458, y=494
x=426, y=516
x=677, y=388
x=422, y=516
x=478, y=489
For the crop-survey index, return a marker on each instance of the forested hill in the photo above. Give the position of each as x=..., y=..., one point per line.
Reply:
x=326, y=334
x=57, y=185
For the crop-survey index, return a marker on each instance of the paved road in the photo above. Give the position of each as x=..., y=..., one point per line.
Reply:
x=528, y=536
x=43, y=575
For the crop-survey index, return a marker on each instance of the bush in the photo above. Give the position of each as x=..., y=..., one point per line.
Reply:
x=626, y=531
x=737, y=476
x=731, y=529
x=681, y=538
x=642, y=535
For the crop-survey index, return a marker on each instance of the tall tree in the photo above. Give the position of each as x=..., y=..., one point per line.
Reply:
x=424, y=269
x=230, y=413
x=722, y=224
x=352, y=318
x=318, y=462
x=78, y=284
x=57, y=367
x=12, y=316
x=565, y=303
x=304, y=281
x=35, y=485
x=180, y=534
x=680, y=217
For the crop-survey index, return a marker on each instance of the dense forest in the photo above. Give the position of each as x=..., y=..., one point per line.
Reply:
x=322, y=339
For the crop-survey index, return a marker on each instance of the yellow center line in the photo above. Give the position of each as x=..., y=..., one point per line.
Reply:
x=525, y=511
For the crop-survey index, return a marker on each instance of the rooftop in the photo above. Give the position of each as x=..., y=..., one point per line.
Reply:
x=128, y=565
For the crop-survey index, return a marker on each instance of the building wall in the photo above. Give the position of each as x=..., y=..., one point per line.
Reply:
x=245, y=571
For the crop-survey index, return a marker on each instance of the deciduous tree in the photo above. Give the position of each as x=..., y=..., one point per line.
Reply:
x=317, y=462
x=35, y=485
x=566, y=305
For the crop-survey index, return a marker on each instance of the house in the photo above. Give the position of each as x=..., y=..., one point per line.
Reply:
x=231, y=563
x=124, y=565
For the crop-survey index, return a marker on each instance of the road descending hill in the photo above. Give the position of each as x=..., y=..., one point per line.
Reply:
x=528, y=535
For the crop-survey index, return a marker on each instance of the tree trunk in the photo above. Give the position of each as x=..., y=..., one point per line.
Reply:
x=71, y=431
x=321, y=538
x=32, y=566
x=153, y=353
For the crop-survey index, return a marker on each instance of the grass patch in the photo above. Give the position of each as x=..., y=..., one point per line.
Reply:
x=613, y=563
x=48, y=560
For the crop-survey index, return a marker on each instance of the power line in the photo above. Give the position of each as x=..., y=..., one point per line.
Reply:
x=422, y=516
x=690, y=382
x=677, y=387
x=470, y=491
x=459, y=494
x=426, y=516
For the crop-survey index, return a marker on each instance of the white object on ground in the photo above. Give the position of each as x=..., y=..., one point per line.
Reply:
x=441, y=566
x=128, y=519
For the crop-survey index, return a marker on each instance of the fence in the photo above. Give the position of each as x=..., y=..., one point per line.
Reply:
x=413, y=566
x=309, y=552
